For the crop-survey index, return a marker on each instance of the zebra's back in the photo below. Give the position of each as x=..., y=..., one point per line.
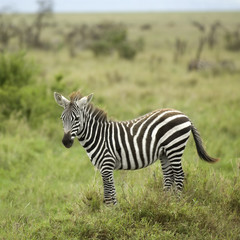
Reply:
x=140, y=142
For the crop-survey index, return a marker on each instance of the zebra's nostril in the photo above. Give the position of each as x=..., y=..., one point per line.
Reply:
x=67, y=140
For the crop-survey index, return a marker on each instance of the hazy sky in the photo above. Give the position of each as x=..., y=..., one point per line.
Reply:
x=126, y=5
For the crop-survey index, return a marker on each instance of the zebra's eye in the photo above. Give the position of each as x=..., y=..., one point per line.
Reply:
x=77, y=119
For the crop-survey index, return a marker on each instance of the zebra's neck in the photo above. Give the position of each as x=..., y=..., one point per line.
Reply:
x=93, y=134
x=93, y=120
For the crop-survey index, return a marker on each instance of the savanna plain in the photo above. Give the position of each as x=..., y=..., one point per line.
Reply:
x=186, y=61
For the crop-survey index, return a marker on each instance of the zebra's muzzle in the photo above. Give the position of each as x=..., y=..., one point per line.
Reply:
x=67, y=140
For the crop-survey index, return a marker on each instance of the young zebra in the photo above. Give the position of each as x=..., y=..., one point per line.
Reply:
x=129, y=145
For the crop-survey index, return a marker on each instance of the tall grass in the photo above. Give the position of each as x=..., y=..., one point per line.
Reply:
x=46, y=205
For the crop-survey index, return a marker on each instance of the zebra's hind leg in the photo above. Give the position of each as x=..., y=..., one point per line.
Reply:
x=178, y=173
x=168, y=174
x=174, y=154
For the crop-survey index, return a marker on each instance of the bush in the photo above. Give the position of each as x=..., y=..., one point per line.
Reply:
x=16, y=70
x=233, y=40
x=106, y=38
x=20, y=95
x=100, y=48
x=128, y=50
x=32, y=103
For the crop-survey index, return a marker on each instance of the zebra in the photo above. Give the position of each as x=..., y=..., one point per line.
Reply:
x=129, y=145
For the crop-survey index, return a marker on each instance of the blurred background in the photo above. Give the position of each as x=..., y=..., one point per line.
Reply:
x=30, y=6
x=135, y=56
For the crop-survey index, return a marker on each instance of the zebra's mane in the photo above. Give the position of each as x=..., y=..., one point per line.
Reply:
x=74, y=96
x=99, y=114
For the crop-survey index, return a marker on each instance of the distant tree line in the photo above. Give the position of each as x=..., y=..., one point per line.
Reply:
x=102, y=39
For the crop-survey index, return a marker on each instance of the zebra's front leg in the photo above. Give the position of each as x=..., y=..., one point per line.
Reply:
x=109, y=188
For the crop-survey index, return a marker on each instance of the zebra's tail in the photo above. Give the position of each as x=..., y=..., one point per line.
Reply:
x=199, y=145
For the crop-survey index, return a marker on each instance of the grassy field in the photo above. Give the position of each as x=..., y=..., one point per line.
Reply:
x=50, y=192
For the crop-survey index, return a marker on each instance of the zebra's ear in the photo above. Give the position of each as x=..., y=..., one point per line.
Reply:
x=85, y=100
x=61, y=100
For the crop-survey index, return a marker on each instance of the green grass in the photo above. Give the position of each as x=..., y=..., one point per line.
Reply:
x=49, y=192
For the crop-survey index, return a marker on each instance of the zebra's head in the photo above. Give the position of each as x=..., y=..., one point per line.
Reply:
x=72, y=115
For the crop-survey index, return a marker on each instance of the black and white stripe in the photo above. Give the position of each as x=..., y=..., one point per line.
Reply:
x=130, y=145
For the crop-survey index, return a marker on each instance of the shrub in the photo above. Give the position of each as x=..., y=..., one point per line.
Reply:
x=101, y=47
x=233, y=40
x=32, y=103
x=106, y=38
x=16, y=70
x=20, y=95
x=128, y=50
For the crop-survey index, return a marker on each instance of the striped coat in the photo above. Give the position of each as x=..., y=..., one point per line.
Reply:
x=129, y=145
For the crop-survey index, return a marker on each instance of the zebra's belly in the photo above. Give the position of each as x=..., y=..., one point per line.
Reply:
x=124, y=166
x=135, y=159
